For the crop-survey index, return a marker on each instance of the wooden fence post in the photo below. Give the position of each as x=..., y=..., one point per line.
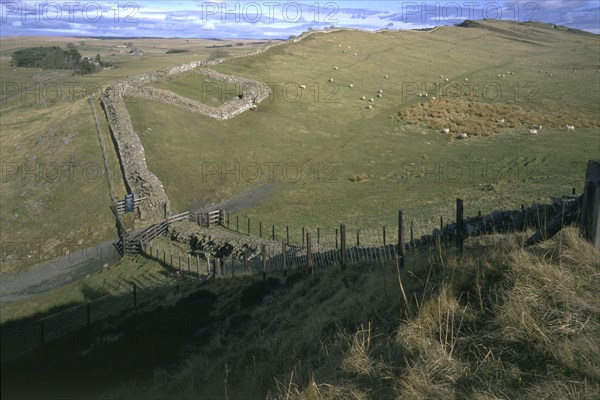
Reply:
x=358, y=238
x=263, y=251
x=237, y=223
x=309, y=259
x=384, y=236
x=336, y=238
x=589, y=220
x=287, y=234
x=459, y=226
x=197, y=264
x=248, y=226
x=343, y=246
x=401, y=238
x=318, y=239
x=272, y=232
x=302, y=237
x=135, y=296
x=260, y=229
x=232, y=264
x=284, y=254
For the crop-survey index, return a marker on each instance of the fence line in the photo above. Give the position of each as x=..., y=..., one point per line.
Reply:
x=283, y=258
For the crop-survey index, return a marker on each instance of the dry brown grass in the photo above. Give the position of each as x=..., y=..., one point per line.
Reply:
x=502, y=322
x=483, y=119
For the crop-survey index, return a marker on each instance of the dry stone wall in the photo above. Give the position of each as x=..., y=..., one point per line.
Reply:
x=139, y=180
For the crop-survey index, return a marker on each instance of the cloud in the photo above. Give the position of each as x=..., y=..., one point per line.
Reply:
x=262, y=19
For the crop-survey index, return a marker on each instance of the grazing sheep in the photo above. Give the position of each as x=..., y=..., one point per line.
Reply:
x=533, y=132
x=379, y=95
x=441, y=76
x=420, y=95
x=446, y=79
x=499, y=75
x=331, y=80
x=371, y=100
x=462, y=136
x=466, y=79
x=348, y=46
x=387, y=77
x=355, y=54
x=369, y=107
x=363, y=98
x=501, y=121
x=436, y=83
x=433, y=98
x=335, y=68
x=536, y=126
x=340, y=45
x=426, y=94
x=380, y=91
x=570, y=128
x=446, y=130
x=351, y=85
x=253, y=107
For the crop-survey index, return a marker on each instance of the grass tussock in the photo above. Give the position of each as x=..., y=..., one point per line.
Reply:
x=483, y=119
x=501, y=322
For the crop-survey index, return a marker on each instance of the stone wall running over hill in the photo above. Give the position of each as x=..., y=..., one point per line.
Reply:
x=254, y=92
x=140, y=181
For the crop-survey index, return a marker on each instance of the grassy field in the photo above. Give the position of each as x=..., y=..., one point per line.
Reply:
x=309, y=144
x=54, y=192
x=502, y=322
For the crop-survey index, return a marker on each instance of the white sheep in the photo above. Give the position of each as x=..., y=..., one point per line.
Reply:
x=501, y=121
x=331, y=80
x=253, y=107
x=536, y=126
x=380, y=91
x=363, y=98
x=426, y=94
x=570, y=128
x=387, y=77
x=371, y=100
x=433, y=98
x=463, y=136
x=302, y=86
x=355, y=54
x=446, y=79
x=335, y=68
x=436, y=83
x=379, y=95
x=446, y=130
x=466, y=79
x=533, y=132
x=441, y=76
x=369, y=107
x=351, y=85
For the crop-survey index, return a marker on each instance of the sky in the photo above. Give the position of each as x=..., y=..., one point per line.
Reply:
x=272, y=19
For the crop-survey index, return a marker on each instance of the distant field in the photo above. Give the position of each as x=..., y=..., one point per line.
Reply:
x=54, y=194
x=308, y=144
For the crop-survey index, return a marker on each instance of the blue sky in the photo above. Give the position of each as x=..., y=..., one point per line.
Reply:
x=272, y=19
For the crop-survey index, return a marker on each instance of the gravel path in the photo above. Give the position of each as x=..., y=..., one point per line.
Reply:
x=58, y=273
